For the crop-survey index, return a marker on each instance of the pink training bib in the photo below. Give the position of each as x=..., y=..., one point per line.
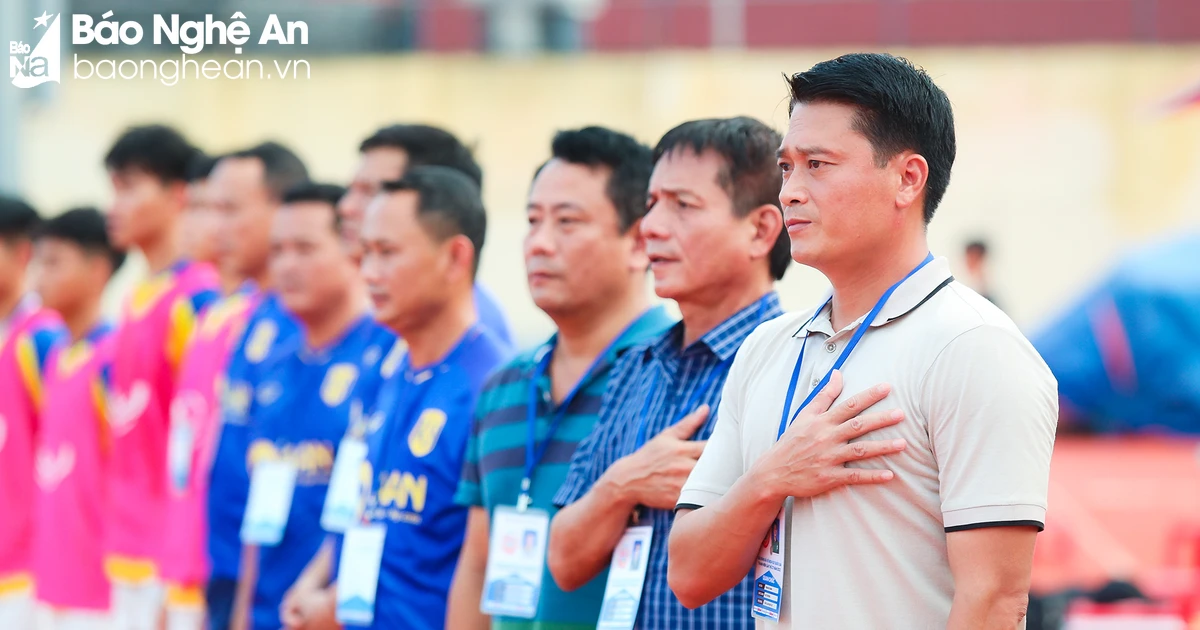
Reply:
x=27, y=331
x=194, y=415
x=149, y=346
x=72, y=453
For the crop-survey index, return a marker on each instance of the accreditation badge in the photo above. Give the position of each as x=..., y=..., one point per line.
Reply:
x=358, y=573
x=272, y=484
x=516, y=562
x=626, y=579
x=768, y=570
x=342, y=499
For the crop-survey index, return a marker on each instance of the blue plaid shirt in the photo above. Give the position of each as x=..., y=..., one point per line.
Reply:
x=678, y=373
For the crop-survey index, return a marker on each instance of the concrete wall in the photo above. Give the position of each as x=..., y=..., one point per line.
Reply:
x=1064, y=157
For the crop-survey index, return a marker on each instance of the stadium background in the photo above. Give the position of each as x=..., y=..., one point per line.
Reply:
x=1076, y=136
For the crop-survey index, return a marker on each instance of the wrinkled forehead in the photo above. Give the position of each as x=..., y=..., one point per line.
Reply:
x=684, y=171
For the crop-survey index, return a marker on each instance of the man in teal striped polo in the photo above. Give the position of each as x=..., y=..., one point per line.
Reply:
x=586, y=269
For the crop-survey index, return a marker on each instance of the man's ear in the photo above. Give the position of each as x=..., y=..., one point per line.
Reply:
x=767, y=222
x=462, y=254
x=639, y=262
x=914, y=175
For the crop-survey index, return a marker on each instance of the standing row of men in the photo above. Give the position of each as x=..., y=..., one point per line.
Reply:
x=282, y=447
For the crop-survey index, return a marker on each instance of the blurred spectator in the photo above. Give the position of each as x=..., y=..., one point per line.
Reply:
x=975, y=255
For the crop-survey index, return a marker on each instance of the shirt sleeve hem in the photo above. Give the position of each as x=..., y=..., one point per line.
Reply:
x=962, y=528
x=695, y=498
x=957, y=519
x=468, y=498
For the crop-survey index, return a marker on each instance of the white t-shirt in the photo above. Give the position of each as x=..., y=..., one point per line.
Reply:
x=981, y=409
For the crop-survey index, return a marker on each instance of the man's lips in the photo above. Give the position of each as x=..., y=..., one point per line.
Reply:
x=793, y=224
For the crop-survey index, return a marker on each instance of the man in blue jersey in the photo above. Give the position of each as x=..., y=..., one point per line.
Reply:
x=246, y=187
x=422, y=237
x=301, y=407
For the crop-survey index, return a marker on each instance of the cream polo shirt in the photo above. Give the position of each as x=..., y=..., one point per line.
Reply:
x=981, y=409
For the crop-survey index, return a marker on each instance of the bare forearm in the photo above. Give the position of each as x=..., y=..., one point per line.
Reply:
x=584, y=534
x=462, y=609
x=699, y=571
x=246, y=585
x=320, y=569
x=994, y=610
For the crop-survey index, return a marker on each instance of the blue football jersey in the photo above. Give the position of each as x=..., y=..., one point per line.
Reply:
x=415, y=454
x=302, y=410
x=268, y=329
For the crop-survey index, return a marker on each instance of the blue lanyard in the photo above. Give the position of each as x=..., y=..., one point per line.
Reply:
x=690, y=405
x=533, y=454
x=784, y=421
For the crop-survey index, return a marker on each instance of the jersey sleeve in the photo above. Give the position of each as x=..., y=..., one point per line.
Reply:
x=33, y=351
x=992, y=408
x=470, y=483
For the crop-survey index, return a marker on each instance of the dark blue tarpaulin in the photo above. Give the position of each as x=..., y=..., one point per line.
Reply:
x=1127, y=355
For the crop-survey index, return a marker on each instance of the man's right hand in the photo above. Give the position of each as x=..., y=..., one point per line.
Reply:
x=654, y=475
x=308, y=608
x=811, y=456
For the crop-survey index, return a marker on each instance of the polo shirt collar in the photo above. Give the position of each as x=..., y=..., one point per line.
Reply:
x=655, y=318
x=908, y=296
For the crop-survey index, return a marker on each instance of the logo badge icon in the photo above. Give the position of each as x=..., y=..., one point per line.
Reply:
x=425, y=432
x=32, y=67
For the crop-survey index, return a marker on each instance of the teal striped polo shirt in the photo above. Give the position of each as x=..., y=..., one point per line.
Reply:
x=495, y=458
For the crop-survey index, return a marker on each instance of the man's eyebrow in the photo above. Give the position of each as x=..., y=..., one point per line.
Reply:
x=808, y=150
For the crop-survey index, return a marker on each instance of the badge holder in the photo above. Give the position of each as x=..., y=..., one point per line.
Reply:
x=343, y=499
x=516, y=561
x=768, y=570
x=269, y=503
x=626, y=579
x=358, y=573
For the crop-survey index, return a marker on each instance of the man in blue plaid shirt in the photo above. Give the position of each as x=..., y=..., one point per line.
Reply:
x=714, y=236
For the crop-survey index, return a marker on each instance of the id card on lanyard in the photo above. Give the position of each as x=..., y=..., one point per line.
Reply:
x=626, y=579
x=343, y=499
x=358, y=573
x=272, y=484
x=770, y=565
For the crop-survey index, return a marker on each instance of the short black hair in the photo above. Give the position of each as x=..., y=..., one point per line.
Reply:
x=201, y=166
x=315, y=192
x=18, y=220
x=156, y=149
x=282, y=168
x=448, y=203
x=84, y=227
x=630, y=161
x=899, y=106
x=978, y=245
x=751, y=172
x=426, y=145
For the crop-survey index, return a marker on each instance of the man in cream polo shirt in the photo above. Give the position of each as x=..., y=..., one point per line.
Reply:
x=929, y=520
